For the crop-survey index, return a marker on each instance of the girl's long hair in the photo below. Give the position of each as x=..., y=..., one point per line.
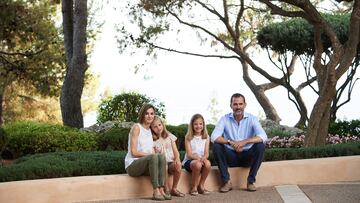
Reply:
x=164, y=134
x=190, y=132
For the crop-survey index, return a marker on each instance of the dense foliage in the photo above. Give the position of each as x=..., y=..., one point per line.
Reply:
x=31, y=137
x=114, y=139
x=297, y=35
x=64, y=164
x=31, y=49
x=125, y=107
x=345, y=127
x=346, y=149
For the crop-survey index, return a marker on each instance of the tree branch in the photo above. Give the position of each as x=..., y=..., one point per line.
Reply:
x=27, y=53
x=200, y=28
x=190, y=53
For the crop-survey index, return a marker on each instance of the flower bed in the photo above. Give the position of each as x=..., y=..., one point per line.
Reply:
x=298, y=141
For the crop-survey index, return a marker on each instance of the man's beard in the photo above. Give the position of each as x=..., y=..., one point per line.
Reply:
x=238, y=113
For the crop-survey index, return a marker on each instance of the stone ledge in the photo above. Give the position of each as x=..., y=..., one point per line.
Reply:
x=122, y=186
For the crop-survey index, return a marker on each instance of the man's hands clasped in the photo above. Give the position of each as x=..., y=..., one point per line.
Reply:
x=238, y=145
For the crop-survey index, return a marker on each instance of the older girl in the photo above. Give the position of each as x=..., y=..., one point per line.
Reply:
x=164, y=142
x=141, y=159
x=197, y=153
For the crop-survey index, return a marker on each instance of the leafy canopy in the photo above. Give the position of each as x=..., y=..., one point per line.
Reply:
x=297, y=35
x=125, y=107
x=31, y=49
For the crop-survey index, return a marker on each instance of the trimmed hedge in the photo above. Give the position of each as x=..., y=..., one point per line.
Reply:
x=114, y=139
x=346, y=149
x=32, y=137
x=66, y=164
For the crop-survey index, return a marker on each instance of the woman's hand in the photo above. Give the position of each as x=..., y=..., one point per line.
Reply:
x=158, y=149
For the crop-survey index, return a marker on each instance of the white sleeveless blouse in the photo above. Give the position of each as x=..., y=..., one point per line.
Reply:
x=197, y=145
x=144, y=144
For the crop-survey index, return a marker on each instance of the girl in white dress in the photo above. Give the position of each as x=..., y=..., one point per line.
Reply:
x=164, y=143
x=197, y=153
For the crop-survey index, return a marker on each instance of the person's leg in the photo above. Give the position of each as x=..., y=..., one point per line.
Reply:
x=169, y=177
x=145, y=166
x=206, y=168
x=195, y=166
x=138, y=167
x=224, y=158
x=162, y=170
x=253, y=158
x=175, y=170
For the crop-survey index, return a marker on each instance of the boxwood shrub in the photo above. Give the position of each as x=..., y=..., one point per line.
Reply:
x=64, y=164
x=33, y=137
x=114, y=139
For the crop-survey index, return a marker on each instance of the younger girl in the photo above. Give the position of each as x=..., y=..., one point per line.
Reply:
x=164, y=143
x=197, y=153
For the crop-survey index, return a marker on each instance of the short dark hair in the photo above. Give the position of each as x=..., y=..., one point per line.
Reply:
x=236, y=95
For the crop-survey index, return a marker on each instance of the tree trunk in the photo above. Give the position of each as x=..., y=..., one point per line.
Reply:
x=2, y=95
x=318, y=125
x=75, y=44
x=259, y=93
x=320, y=115
x=1, y=108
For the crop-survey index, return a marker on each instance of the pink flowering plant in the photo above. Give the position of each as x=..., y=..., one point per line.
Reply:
x=297, y=141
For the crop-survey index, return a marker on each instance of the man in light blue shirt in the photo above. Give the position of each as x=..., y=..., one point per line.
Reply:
x=238, y=140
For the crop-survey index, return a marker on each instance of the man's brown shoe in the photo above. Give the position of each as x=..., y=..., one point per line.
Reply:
x=226, y=187
x=251, y=187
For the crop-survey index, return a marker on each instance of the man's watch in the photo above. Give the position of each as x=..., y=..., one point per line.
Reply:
x=229, y=142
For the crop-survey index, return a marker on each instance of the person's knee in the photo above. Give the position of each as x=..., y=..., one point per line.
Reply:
x=153, y=158
x=178, y=168
x=207, y=164
x=260, y=147
x=162, y=158
x=216, y=147
x=196, y=166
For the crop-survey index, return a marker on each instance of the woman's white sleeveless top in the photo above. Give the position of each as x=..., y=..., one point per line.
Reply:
x=144, y=144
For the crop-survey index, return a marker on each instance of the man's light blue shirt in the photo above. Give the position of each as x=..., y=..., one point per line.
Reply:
x=248, y=127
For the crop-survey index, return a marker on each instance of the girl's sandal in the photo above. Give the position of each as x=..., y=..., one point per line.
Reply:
x=177, y=193
x=203, y=191
x=167, y=196
x=194, y=193
x=158, y=197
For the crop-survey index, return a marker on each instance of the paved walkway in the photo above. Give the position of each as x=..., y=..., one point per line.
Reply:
x=347, y=192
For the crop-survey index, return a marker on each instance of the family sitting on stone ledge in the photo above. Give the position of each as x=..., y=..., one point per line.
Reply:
x=238, y=140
